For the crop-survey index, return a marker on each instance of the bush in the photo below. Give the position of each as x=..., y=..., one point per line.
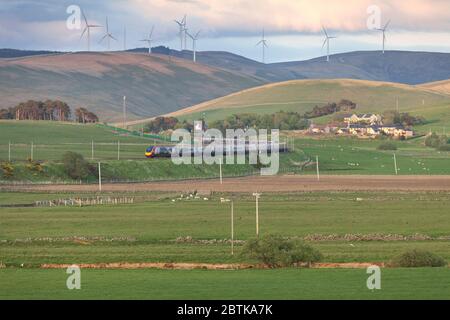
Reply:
x=418, y=259
x=76, y=166
x=275, y=251
x=445, y=147
x=34, y=166
x=8, y=170
x=387, y=146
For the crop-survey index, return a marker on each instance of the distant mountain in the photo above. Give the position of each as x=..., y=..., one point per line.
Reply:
x=394, y=66
x=168, y=80
x=14, y=53
x=153, y=84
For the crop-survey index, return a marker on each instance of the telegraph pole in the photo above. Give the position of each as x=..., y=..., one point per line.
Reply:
x=220, y=171
x=257, y=196
x=124, y=112
x=232, y=228
x=92, y=150
x=118, y=149
x=395, y=164
x=99, y=177
x=317, y=168
x=32, y=150
x=9, y=151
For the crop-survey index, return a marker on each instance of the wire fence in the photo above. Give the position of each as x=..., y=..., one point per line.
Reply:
x=94, y=150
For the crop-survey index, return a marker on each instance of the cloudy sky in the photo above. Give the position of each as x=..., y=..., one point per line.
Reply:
x=293, y=27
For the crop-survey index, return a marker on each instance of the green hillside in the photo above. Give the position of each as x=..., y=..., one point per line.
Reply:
x=153, y=84
x=51, y=140
x=303, y=95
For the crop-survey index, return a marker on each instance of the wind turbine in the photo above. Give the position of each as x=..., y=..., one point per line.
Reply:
x=124, y=38
x=108, y=36
x=327, y=42
x=87, y=29
x=194, y=42
x=264, y=45
x=182, y=25
x=149, y=40
x=384, y=33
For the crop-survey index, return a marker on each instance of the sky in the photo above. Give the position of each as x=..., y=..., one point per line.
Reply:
x=293, y=28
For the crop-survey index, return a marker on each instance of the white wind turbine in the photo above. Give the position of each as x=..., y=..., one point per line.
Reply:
x=327, y=42
x=108, y=36
x=383, y=30
x=264, y=45
x=124, y=38
x=182, y=25
x=194, y=44
x=149, y=40
x=87, y=29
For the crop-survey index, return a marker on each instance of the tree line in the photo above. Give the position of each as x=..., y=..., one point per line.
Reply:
x=330, y=108
x=279, y=120
x=52, y=110
x=161, y=124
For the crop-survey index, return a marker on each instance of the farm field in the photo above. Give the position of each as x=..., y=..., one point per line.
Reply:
x=159, y=230
x=192, y=231
x=289, y=284
x=336, y=155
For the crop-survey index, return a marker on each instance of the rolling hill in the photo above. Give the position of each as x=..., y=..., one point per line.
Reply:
x=438, y=86
x=168, y=80
x=303, y=95
x=153, y=84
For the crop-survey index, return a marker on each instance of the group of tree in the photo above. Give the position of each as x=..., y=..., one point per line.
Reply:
x=52, y=110
x=38, y=110
x=161, y=124
x=82, y=115
x=330, y=108
x=440, y=142
x=404, y=119
x=280, y=120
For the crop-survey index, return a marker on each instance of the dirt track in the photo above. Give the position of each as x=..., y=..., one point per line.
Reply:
x=288, y=183
x=205, y=266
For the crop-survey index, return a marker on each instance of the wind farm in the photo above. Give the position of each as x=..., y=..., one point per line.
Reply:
x=348, y=103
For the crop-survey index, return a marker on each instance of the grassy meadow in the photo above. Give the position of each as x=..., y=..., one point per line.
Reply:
x=289, y=284
x=146, y=232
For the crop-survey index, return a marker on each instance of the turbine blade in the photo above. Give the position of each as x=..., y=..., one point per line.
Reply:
x=325, y=31
x=196, y=35
x=387, y=24
x=84, y=31
x=151, y=32
x=84, y=17
x=112, y=37
x=324, y=43
x=103, y=38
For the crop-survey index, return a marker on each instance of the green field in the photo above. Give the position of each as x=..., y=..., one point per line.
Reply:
x=287, y=284
x=146, y=232
x=302, y=95
x=336, y=155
